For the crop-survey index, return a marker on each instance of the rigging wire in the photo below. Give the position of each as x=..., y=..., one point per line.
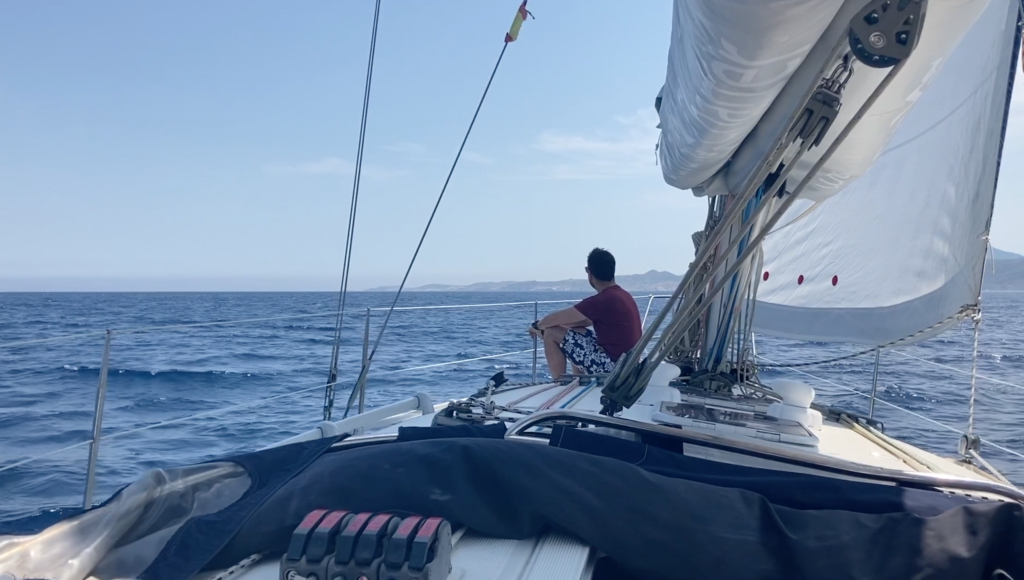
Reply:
x=818, y=362
x=162, y=327
x=387, y=317
x=965, y=312
x=245, y=404
x=974, y=376
x=961, y=371
x=332, y=376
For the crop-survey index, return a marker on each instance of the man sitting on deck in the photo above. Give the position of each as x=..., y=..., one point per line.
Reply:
x=613, y=314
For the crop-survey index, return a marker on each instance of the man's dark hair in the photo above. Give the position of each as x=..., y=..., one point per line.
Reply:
x=601, y=264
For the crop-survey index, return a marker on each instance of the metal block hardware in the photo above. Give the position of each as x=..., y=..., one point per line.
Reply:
x=886, y=31
x=312, y=542
x=340, y=545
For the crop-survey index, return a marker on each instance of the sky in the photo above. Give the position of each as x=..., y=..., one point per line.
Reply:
x=210, y=145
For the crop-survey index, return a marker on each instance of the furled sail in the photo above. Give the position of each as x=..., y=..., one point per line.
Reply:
x=899, y=253
x=728, y=61
x=737, y=68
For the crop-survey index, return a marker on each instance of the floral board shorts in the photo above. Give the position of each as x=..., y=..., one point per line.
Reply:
x=582, y=350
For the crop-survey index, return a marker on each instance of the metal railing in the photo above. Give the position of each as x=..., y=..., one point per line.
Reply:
x=771, y=452
x=101, y=389
x=872, y=397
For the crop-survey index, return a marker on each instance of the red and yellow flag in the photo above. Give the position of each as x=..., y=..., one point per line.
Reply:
x=517, y=23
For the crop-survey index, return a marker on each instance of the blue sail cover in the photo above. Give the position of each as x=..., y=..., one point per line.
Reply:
x=654, y=525
x=654, y=512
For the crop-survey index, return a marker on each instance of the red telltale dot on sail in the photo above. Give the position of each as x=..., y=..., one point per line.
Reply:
x=800, y=279
x=835, y=280
x=765, y=276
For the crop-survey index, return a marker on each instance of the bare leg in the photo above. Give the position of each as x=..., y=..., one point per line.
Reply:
x=556, y=358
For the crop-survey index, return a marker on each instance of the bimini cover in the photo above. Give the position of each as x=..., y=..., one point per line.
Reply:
x=654, y=512
x=899, y=253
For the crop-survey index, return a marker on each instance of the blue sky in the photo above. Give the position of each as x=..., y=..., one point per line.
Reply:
x=199, y=145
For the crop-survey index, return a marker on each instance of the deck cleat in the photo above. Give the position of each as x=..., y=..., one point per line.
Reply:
x=401, y=542
x=421, y=549
x=361, y=547
x=311, y=543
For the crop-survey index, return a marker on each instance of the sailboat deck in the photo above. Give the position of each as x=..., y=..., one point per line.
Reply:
x=837, y=441
x=479, y=557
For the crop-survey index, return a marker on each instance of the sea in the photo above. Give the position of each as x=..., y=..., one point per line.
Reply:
x=187, y=394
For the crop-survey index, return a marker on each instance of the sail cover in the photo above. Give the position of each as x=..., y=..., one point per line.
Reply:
x=647, y=506
x=899, y=253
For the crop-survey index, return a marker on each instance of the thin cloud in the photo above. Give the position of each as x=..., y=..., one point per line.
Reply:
x=625, y=151
x=406, y=147
x=413, y=152
x=418, y=152
x=476, y=158
x=327, y=166
x=331, y=166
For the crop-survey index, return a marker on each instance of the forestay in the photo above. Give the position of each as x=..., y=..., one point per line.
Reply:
x=899, y=253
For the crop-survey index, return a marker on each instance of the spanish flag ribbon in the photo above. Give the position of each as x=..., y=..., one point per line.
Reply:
x=517, y=23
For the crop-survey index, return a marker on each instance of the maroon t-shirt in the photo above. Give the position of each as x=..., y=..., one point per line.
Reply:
x=616, y=320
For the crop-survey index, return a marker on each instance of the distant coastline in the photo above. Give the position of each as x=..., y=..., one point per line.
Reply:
x=1004, y=274
x=652, y=281
x=1007, y=275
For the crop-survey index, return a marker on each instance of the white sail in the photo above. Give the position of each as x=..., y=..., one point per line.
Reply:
x=728, y=61
x=899, y=253
x=737, y=69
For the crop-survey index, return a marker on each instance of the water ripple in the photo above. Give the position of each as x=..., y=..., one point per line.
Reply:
x=47, y=391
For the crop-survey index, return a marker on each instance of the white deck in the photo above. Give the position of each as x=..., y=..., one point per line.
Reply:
x=477, y=557
x=553, y=556
x=837, y=441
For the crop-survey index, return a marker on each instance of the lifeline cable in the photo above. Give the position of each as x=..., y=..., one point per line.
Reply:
x=964, y=312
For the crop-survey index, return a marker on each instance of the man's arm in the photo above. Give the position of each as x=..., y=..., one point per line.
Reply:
x=566, y=317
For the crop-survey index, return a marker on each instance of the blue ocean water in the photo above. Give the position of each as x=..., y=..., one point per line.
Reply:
x=181, y=378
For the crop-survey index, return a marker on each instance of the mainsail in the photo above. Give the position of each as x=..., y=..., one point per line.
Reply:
x=898, y=255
